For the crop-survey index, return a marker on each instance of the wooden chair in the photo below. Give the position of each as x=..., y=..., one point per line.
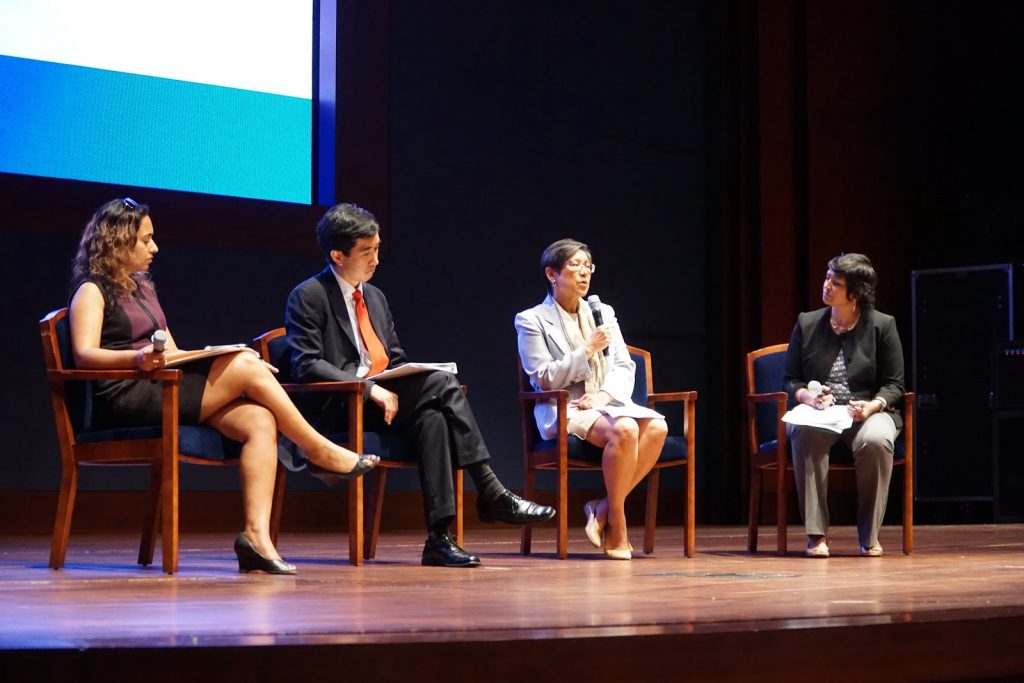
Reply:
x=769, y=451
x=159, y=447
x=568, y=452
x=394, y=451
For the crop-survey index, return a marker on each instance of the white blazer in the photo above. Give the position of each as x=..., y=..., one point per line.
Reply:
x=552, y=364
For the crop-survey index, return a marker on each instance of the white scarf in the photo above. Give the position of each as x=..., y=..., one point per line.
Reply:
x=577, y=327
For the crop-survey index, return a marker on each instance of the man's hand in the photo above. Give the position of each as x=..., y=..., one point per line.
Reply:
x=387, y=400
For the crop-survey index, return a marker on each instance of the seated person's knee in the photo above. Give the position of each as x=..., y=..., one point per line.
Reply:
x=626, y=429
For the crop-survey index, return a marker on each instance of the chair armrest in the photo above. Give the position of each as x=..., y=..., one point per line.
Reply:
x=543, y=395
x=768, y=398
x=687, y=398
x=165, y=375
x=529, y=429
x=664, y=397
x=780, y=399
x=320, y=387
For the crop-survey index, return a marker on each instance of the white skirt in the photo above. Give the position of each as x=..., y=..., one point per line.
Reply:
x=580, y=422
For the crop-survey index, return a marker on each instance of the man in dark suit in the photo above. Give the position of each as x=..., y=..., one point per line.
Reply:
x=340, y=329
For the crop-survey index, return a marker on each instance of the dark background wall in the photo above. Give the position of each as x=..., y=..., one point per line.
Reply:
x=887, y=128
x=714, y=156
x=479, y=134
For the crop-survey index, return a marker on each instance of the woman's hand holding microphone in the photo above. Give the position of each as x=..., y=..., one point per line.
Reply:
x=152, y=356
x=816, y=395
x=599, y=340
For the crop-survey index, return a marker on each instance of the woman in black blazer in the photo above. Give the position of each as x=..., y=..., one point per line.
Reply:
x=853, y=351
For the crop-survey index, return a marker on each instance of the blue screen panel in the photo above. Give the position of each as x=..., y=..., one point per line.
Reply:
x=91, y=124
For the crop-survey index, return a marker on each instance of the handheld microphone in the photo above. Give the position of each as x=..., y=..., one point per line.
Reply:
x=159, y=340
x=595, y=307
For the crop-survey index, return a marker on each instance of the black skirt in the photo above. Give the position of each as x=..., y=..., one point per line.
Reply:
x=137, y=403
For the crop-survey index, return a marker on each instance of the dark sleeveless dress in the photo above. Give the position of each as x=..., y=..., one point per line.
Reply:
x=132, y=403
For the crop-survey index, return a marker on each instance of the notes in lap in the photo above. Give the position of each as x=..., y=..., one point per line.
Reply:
x=834, y=418
x=412, y=369
x=175, y=358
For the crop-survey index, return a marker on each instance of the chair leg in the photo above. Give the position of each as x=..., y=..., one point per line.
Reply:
x=151, y=522
x=529, y=493
x=690, y=522
x=460, y=519
x=169, y=514
x=780, y=510
x=754, y=511
x=277, y=507
x=65, y=508
x=355, y=521
x=563, y=512
x=373, y=508
x=908, y=510
x=651, y=511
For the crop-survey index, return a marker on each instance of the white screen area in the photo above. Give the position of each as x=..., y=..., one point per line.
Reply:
x=206, y=96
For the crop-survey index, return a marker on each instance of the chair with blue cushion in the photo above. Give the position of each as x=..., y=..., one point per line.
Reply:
x=160, y=447
x=770, y=455
x=566, y=452
x=394, y=451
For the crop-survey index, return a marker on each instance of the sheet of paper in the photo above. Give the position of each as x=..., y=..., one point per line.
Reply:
x=176, y=358
x=413, y=368
x=834, y=418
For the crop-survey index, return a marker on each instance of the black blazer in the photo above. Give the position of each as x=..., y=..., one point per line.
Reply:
x=321, y=337
x=872, y=350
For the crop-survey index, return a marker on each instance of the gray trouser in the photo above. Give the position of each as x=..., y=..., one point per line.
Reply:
x=871, y=443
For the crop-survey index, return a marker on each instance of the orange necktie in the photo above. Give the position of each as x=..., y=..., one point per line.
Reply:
x=378, y=356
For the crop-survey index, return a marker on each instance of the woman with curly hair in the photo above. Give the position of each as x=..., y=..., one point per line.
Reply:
x=113, y=313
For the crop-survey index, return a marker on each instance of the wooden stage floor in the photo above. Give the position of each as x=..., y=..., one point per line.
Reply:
x=954, y=610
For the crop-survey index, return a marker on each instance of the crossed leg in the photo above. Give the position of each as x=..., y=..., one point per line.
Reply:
x=244, y=375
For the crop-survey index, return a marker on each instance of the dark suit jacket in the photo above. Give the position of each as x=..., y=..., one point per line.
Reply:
x=320, y=334
x=872, y=349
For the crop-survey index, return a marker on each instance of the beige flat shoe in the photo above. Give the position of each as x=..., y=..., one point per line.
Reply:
x=592, y=529
x=818, y=549
x=619, y=554
x=874, y=551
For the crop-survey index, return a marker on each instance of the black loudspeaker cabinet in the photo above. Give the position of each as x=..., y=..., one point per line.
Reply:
x=1008, y=464
x=960, y=316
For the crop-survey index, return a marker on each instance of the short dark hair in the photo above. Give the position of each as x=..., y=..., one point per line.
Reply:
x=557, y=253
x=860, y=277
x=342, y=226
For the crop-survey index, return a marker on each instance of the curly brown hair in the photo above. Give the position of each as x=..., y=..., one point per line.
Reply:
x=108, y=236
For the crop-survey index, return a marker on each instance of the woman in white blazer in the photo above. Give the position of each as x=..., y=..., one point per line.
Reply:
x=561, y=347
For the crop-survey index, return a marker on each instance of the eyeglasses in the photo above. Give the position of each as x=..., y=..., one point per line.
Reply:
x=580, y=266
x=130, y=204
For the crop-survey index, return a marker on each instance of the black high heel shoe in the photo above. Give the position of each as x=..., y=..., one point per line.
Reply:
x=250, y=560
x=331, y=478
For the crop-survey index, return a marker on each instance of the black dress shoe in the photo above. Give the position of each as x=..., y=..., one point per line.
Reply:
x=511, y=509
x=441, y=550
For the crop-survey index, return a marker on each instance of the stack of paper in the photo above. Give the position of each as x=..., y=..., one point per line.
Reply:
x=413, y=368
x=834, y=418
